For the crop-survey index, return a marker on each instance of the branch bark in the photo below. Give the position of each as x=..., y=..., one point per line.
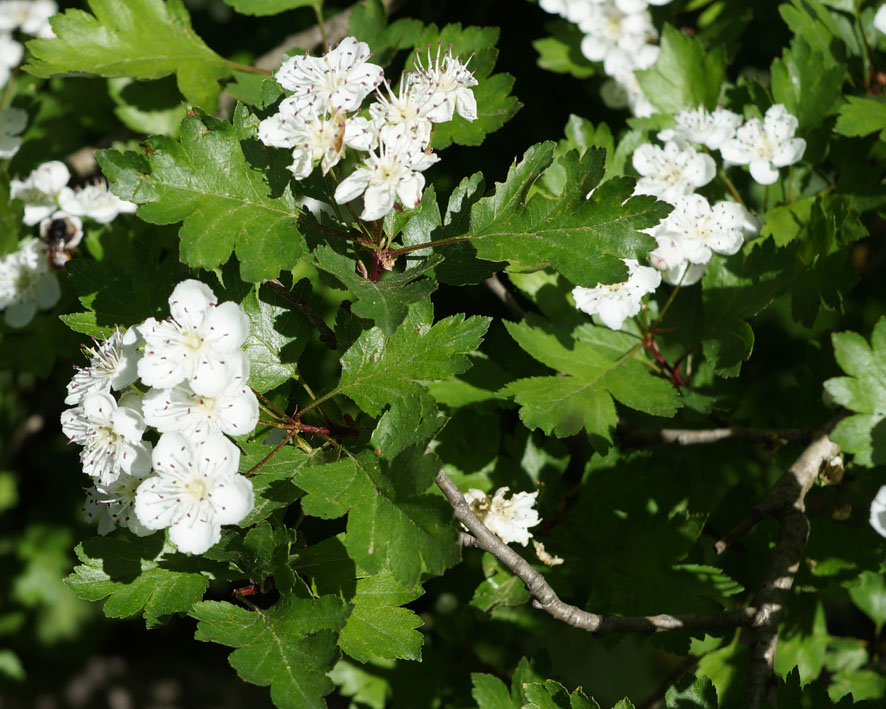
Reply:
x=546, y=598
x=786, y=500
x=689, y=437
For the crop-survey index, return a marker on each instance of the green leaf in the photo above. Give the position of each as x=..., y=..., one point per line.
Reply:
x=499, y=588
x=553, y=695
x=869, y=596
x=864, y=392
x=802, y=639
x=278, y=333
x=684, y=75
x=380, y=371
x=131, y=282
x=272, y=482
x=369, y=23
x=807, y=82
x=590, y=373
x=11, y=666
x=584, y=239
x=137, y=574
x=561, y=52
x=831, y=33
x=859, y=684
x=378, y=628
x=206, y=180
x=291, y=646
x=490, y=692
x=861, y=116
x=263, y=8
x=385, y=301
x=580, y=134
x=152, y=108
x=692, y=693
x=391, y=523
x=144, y=39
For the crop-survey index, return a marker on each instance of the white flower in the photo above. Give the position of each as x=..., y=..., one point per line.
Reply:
x=31, y=16
x=508, y=519
x=195, y=491
x=880, y=19
x=671, y=172
x=95, y=202
x=607, y=28
x=111, y=436
x=42, y=191
x=337, y=81
x=766, y=145
x=878, y=512
x=199, y=343
x=313, y=139
x=26, y=283
x=12, y=122
x=616, y=302
x=404, y=113
x=447, y=82
x=638, y=5
x=393, y=172
x=112, y=365
x=234, y=411
x=112, y=505
x=683, y=274
x=10, y=55
x=698, y=230
x=702, y=128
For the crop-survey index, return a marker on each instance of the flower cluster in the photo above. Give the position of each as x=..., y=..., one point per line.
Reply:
x=194, y=371
x=508, y=518
x=30, y=17
x=319, y=120
x=27, y=279
x=620, y=34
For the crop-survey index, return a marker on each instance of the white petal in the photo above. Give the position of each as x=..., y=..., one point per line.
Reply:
x=789, y=152
x=763, y=172
x=232, y=499
x=194, y=536
x=878, y=512
x=20, y=314
x=226, y=327
x=190, y=301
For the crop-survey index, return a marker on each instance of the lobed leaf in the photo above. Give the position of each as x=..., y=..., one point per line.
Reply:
x=289, y=647
x=144, y=39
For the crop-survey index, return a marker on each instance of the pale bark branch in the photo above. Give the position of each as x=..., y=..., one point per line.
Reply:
x=786, y=500
x=546, y=598
x=689, y=437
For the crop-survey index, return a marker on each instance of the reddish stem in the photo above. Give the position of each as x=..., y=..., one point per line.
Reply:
x=652, y=346
x=376, y=267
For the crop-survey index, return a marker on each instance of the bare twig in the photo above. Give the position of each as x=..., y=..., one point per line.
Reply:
x=546, y=598
x=786, y=500
x=688, y=437
x=327, y=336
x=504, y=295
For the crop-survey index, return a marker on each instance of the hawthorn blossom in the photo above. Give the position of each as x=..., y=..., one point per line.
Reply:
x=12, y=122
x=404, y=113
x=10, y=55
x=391, y=173
x=112, y=365
x=623, y=90
x=878, y=512
x=337, y=81
x=26, y=284
x=766, y=145
x=880, y=19
x=234, y=411
x=700, y=127
x=312, y=138
x=607, y=28
x=96, y=202
x=200, y=342
x=671, y=172
x=447, y=83
x=111, y=436
x=30, y=16
x=614, y=303
x=112, y=505
x=699, y=230
x=42, y=191
x=508, y=518
x=194, y=491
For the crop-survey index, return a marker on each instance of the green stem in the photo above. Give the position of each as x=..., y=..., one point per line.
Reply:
x=8, y=90
x=318, y=11
x=236, y=66
x=730, y=188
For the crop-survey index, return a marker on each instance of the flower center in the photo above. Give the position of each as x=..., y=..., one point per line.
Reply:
x=192, y=340
x=196, y=488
